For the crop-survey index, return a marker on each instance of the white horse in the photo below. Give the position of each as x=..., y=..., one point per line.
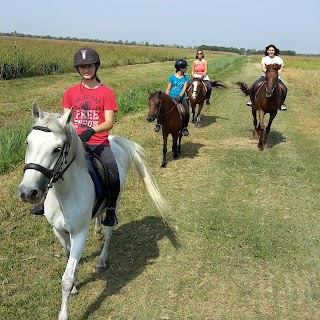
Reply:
x=56, y=170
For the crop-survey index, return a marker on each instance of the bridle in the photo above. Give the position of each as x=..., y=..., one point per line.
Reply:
x=152, y=117
x=56, y=173
x=270, y=93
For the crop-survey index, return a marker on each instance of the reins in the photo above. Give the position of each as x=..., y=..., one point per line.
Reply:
x=57, y=172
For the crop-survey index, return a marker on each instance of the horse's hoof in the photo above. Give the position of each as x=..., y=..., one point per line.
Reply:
x=163, y=165
x=101, y=269
x=99, y=235
x=74, y=291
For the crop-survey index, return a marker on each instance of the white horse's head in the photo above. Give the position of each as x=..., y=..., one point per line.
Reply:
x=49, y=150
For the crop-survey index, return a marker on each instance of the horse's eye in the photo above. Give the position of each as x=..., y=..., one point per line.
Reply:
x=57, y=149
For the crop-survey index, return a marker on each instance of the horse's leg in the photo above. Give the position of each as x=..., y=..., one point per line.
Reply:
x=193, y=106
x=272, y=116
x=102, y=265
x=261, y=129
x=199, y=112
x=69, y=276
x=175, y=144
x=164, y=149
x=255, y=123
x=179, y=143
x=98, y=227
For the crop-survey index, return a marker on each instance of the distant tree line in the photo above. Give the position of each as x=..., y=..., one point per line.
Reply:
x=241, y=51
x=244, y=51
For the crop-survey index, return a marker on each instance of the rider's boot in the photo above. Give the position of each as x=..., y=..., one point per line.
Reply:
x=185, y=131
x=38, y=210
x=208, y=95
x=113, y=185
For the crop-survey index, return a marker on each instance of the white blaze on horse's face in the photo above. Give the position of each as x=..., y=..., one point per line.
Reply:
x=194, y=92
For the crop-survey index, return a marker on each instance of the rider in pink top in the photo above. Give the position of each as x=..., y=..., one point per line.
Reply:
x=199, y=70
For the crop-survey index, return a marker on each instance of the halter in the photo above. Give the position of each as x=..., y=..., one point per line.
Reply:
x=56, y=173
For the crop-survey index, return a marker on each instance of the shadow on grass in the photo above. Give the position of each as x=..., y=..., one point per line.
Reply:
x=274, y=138
x=206, y=120
x=133, y=246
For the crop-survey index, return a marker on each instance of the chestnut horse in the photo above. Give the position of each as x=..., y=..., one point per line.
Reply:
x=197, y=95
x=164, y=108
x=267, y=99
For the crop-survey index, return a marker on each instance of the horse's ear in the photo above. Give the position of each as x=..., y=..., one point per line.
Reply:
x=66, y=118
x=36, y=111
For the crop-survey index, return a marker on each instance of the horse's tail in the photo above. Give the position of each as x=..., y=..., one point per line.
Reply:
x=244, y=88
x=218, y=84
x=136, y=154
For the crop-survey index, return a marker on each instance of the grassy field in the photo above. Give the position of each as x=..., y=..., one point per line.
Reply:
x=243, y=242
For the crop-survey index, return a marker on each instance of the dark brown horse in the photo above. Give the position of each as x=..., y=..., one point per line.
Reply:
x=164, y=108
x=197, y=95
x=267, y=99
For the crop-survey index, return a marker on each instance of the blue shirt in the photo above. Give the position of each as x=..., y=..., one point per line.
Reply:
x=177, y=85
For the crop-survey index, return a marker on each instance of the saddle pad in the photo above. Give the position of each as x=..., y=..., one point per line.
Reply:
x=96, y=177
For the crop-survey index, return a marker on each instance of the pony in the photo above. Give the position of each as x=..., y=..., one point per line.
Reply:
x=56, y=169
x=196, y=93
x=267, y=99
x=164, y=108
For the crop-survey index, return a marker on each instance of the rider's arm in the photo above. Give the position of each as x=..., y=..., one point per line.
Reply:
x=184, y=89
x=280, y=70
x=104, y=126
x=193, y=69
x=263, y=67
x=205, y=68
x=168, y=88
x=107, y=124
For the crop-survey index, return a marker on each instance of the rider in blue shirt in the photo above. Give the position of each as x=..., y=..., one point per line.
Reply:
x=176, y=89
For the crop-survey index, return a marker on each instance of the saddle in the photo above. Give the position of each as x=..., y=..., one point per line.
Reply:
x=204, y=85
x=99, y=177
x=261, y=83
x=181, y=109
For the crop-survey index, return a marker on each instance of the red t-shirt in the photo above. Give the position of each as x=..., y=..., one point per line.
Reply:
x=89, y=106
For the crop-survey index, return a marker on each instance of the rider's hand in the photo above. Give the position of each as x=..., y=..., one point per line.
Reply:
x=87, y=134
x=178, y=99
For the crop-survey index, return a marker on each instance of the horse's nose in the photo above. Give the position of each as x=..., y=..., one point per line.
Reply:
x=149, y=118
x=30, y=195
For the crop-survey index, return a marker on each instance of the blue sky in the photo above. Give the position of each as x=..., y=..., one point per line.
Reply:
x=250, y=24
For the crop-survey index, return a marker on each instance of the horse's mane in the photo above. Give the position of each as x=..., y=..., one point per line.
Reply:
x=51, y=121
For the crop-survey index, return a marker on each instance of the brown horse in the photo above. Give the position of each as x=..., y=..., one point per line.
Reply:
x=267, y=99
x=197, y=95
x=164, y=108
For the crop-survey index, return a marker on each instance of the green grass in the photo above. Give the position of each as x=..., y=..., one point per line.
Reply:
x=244, y=237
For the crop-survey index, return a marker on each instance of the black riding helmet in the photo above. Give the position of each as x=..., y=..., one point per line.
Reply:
x=181, y=63
x=86, y=56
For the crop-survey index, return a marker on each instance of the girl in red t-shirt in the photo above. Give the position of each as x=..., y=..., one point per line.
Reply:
x=94, y=106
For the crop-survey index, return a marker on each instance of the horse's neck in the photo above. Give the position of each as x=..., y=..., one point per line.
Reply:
x=167, y=102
